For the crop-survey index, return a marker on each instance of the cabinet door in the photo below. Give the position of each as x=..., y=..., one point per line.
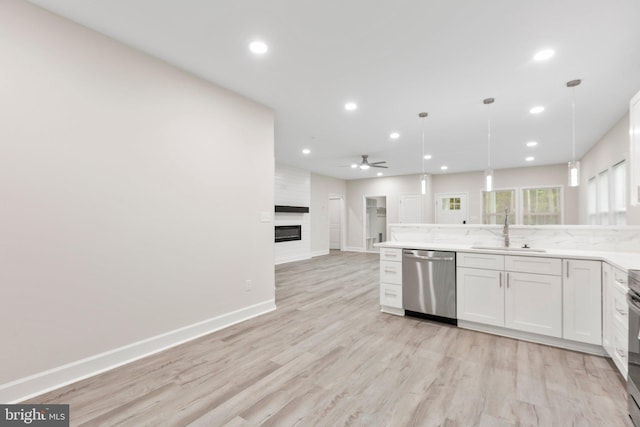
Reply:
x=533, y=303
x=607, y=309
x=582, y=301
x=480, y=296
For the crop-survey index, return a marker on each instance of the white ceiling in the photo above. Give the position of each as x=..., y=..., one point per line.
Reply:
x=396, y=59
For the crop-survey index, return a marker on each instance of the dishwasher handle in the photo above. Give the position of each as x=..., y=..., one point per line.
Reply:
x=412, y=255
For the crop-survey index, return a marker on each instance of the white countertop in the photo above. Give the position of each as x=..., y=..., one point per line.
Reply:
x=622, y=260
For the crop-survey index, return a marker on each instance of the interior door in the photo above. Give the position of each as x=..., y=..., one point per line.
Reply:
x=335, y=205
x=411, y=209
x=451, y=208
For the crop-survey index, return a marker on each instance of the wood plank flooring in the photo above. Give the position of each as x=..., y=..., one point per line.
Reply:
x=328, y=357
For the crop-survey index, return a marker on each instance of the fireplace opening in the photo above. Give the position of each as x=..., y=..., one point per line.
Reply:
x=288, y=233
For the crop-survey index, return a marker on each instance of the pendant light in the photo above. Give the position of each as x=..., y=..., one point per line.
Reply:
x=574, y=166
x=488, y=173
x=423, y=177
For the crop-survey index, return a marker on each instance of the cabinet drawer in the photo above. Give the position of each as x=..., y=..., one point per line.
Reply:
x=620, y=307
x=532, y=264
x=390, y=254
x=620, y=277
x=479, y=260
x=391, y=295
x=620, y=351
x=391, y=272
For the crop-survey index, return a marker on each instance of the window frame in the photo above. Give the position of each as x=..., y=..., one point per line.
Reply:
x=537, y=187
x=515, y=203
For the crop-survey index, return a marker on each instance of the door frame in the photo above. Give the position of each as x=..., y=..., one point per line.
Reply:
x=365, y=219
x=343, y=218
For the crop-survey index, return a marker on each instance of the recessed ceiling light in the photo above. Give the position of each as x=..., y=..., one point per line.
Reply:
x=427, y=156
x=530, y=159
x=543, y=55
x=537, y=110
x=258, y=47
x=306, y=151
x=394, y=135
x=379, y=174
x=354, y=165
x=350, y=106
x=532, y=143
x=444, y=168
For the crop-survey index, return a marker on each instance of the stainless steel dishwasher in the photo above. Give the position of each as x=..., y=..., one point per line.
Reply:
x=429, y=284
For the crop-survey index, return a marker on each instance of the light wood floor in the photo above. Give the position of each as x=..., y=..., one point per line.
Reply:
x=328, y=357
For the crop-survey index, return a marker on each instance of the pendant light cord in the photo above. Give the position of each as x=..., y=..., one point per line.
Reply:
x=573, y=108
x=488, y=137
x=422, y=148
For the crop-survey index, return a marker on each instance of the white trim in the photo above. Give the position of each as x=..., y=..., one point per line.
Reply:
x=531, y=337
x=392, y=310
x=343, y=220
x=354, y=249
x=319, y=253
x=365, y=219
x=43, y=382
x=292, y=259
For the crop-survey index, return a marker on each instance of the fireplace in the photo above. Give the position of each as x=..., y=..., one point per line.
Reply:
x=288, y=233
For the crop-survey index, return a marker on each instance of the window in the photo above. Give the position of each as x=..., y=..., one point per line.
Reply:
x=452, y=202
x=619, y=202
x=494, y=204
x=592, y=209
x=603, y=197
x=542, y=206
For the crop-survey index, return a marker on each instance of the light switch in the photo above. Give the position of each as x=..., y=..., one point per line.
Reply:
x=265, y=216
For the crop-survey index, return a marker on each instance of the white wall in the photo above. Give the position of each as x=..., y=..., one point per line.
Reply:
x=611, y=149
x=473, y=183
x=391, y=187
x=293, y=188
x=323, y=187
x=131, y=194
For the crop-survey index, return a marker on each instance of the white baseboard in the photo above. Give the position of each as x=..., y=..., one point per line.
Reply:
x=319, y=253
x=354, y=249
x=292, y=259
x=539, y=339
x=42, y=382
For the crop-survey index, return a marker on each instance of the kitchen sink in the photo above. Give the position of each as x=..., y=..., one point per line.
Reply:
x=502, y=248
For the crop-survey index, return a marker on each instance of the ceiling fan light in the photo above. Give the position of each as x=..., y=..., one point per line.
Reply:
x=364, y=167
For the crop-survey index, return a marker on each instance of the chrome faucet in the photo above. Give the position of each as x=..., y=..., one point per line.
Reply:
x=505, y=230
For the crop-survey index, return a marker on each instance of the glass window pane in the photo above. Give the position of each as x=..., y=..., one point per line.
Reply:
x=494, y=204
x=603, y=197
x=541, y=206
x=620, y=194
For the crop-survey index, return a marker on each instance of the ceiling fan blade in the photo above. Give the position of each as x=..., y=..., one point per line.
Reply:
x=378, y=163
x=378, y=166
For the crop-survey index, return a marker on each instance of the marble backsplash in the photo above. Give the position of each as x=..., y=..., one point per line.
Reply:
x=584, y=237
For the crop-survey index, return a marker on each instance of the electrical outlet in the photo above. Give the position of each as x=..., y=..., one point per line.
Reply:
x=248, y=285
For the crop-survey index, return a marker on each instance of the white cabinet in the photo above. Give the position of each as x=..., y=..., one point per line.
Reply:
x=634, y=150
x=582, y=301
x=517, y=292
x=480, y=297
x=615, y=316
x=391, y=281
x=534, y=303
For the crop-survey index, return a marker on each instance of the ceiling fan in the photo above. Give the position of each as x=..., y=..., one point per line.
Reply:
x=364, y=165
